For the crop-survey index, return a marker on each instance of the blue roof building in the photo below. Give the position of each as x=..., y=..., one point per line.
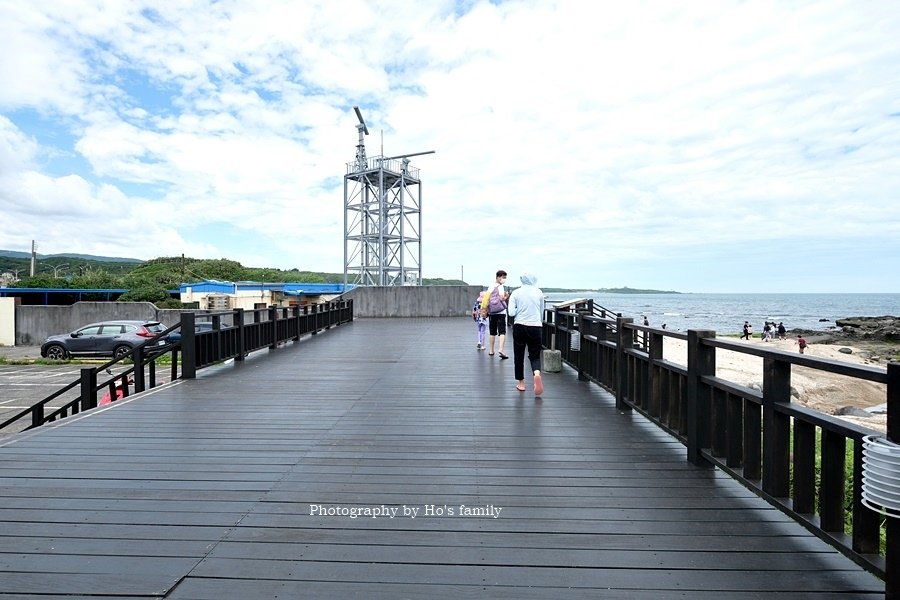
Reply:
x=220, y=295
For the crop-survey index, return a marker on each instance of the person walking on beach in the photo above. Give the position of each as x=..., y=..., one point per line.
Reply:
x=481, y=322
x=781, y=331
x=493, y=306
x=747, y=331
x=526, y=304
x=801, y=341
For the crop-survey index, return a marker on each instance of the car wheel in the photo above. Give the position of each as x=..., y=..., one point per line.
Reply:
x=121, y=351
x=57, y=352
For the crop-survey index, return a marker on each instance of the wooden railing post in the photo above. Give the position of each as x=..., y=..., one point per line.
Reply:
x=701, y=361
x=188, y=347
x=892, y=549
x=140, y=382
x=776, y=479
x=241, y=341
x=37, y=415
x=623, y=342
x=655, y=390
x=273, y=324
x=580, y=348
x=554, y=337
x=295, y=322
x=89, y=388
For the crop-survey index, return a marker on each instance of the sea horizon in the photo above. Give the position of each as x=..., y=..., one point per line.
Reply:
x=726, y=313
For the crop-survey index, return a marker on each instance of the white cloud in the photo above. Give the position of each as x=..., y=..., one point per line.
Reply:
x=569, y=136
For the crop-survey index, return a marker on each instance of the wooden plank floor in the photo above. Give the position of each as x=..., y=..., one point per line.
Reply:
x=204, y=489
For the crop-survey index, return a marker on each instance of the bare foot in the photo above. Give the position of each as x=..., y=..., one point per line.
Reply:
x=538, y=385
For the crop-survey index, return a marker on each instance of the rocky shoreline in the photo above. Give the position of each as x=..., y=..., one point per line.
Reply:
x=877, y=338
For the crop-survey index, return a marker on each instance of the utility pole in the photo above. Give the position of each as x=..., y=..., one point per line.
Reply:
x=33, y=258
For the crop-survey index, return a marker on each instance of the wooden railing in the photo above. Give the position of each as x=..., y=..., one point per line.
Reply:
x=792, y=456
x=233, y=334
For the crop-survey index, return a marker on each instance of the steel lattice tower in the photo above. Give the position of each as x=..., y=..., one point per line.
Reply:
x=382, y=218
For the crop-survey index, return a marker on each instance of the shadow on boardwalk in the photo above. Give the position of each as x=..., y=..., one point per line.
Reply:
x=205, y=488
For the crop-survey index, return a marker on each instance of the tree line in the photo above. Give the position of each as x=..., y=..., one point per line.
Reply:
x=151, y=281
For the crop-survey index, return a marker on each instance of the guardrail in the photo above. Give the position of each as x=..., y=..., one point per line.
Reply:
x=792, y=456
x=231, y=334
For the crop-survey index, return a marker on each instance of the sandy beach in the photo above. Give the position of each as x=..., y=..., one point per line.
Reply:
x=826, y=392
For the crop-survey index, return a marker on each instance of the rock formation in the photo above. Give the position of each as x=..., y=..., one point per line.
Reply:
x=886, y=328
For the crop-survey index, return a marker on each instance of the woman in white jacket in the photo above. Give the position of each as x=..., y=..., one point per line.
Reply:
x=526, y=305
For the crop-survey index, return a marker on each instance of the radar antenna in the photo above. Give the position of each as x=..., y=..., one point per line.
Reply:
x=361, y=146
x=404, y=164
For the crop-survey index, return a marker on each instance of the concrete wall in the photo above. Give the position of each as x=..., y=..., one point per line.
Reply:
x=33, y=324
x=7, y=321
x=414, y=301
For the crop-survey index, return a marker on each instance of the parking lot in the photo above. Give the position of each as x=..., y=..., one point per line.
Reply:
x=21, y=386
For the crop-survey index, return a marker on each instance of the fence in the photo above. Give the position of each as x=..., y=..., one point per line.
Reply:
x=792, y=456
x=226, y=335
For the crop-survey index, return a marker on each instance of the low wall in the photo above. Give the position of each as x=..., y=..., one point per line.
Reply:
x=33, y=323
x=414, y=301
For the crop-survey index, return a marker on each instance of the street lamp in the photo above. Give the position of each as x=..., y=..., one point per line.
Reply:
x=57, y=268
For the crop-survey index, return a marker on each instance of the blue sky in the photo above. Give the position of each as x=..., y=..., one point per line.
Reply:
x=692, y=146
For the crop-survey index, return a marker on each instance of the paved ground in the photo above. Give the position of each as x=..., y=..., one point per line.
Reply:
x=15, y=352
x=23, y=385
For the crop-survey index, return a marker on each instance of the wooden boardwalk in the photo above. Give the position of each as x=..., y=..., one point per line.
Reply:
x=204, y=489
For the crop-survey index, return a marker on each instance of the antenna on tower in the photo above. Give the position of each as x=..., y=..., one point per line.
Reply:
x=404, y=164
x=361, y=146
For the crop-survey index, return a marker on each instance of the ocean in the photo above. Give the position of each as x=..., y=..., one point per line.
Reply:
x=726, y=313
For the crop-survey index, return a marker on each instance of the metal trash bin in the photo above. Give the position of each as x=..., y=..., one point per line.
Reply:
x=881, y=476
x=575, y=341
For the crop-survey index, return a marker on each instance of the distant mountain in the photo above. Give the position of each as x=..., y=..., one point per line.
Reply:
x=27, y=255
x=628, y=290
x=621, y=290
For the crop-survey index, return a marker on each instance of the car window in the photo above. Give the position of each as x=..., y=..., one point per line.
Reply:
x=92, y=330
x=112, y=329
x=154, y=327
x=129, y=328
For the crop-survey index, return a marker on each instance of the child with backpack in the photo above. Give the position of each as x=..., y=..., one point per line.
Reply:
x=493, y=305
x=481, y=321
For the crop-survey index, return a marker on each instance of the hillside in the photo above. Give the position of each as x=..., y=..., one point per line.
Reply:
x=80, y=270
x=39, y=256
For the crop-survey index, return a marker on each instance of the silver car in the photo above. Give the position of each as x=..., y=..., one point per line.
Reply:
x=109, y=338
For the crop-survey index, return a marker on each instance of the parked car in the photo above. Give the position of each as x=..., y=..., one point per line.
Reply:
x=108, y=338
x=199, y=327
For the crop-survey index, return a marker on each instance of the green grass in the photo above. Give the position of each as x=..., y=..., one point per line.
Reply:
x=848, y=487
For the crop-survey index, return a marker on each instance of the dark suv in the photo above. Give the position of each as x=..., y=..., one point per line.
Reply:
x=109, y=338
